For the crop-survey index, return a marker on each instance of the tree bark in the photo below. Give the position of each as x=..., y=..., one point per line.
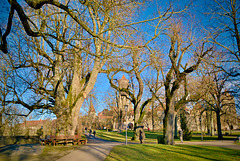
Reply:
x=169, y=137
x=169, y=119
x=175, y=130
x=153, y=116
x=220, y=137
x=212, y=125
x=208, y=122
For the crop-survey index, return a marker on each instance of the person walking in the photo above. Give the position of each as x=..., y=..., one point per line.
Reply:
x=90, y=132
x=94, y=133
x=140, y=136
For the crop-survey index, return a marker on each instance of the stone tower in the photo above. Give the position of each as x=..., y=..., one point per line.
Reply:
x=91, y=115
x=123, y=83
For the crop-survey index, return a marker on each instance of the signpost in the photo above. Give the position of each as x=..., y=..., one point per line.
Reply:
x=126, y=109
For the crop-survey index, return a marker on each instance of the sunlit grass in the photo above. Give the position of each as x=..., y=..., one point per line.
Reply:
x=171, y=152
x=151, y=137
x=121, y=137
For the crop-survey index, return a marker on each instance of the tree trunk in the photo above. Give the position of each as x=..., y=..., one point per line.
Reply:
x=169, y=136
x=78, y=97
x=134, y=131
x=153, y=116
x=220, y=137
x=175, y=131
x=169, y=121
x=67, y=110
x=208, y=122
x=1, y=124
x=212, y=124
x=59, y=110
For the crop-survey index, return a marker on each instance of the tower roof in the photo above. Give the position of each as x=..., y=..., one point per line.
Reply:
x=123, y=78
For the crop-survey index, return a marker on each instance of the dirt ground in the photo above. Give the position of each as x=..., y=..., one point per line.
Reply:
x=34, y=152
x=20, y=152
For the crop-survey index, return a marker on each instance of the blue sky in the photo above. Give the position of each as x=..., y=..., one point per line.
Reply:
x=102, y=85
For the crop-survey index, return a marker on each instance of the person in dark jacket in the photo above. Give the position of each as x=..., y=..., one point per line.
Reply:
x=140, y=136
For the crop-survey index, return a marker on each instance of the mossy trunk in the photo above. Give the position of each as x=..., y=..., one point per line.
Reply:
x=67, y=109
x=219, y=128
x=212, y=124
x=169, y=136
x=134, y=137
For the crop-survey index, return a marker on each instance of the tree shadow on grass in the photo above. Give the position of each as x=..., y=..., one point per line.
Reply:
x=195, y=151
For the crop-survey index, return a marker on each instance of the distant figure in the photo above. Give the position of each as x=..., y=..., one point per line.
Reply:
x=148, y=129
x=85, y=130
x=94, y=133
x=181, y=135
x=140, y=136
x=90, y=132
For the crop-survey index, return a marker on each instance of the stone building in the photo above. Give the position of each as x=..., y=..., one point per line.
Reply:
x=123, y=83
x=31, y=127
x=125, y=118
x=92, y=119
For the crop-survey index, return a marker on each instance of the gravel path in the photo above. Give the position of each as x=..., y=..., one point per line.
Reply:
x=96, y=150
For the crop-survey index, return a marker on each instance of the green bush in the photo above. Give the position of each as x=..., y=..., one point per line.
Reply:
x=187, y=134
x=160, y=139
x=39, y=132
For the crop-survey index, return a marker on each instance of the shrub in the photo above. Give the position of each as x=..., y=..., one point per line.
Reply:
x=160, y=139
x=187, y=134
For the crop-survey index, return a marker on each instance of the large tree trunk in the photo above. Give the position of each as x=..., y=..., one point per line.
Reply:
x=169, y=119
x=219, y=125
x=208, y=121
x=212, y=124
x=78, y=93
x=59, y=110
x=176, y=127
x=134, y=131
x=1, y=124
x=67, y=110
x=169, y=136
x=153, y=117
x=135, y=124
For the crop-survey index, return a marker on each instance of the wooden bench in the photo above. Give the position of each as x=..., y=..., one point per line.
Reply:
x=55, y=140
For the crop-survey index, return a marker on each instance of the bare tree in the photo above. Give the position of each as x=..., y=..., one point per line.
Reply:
x=135, y=66
x=175, y=76
x=5, y=76
x=81, y=36
x=218, y=97
x=224, y=31
x=61, y=77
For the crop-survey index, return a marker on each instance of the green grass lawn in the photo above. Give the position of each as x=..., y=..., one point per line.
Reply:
x=171, y=152
x=121, y=137
x=151, y=137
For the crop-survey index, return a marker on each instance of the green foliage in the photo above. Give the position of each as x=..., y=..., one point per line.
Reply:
x=27, y=132
x=39, y=132
x=160, y=139
x=187, y=134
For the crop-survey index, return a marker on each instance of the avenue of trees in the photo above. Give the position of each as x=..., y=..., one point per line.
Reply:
x=53, y=51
